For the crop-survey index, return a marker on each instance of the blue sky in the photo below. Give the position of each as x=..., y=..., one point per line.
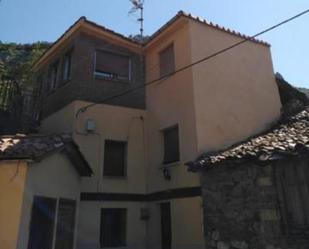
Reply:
x=42, y=20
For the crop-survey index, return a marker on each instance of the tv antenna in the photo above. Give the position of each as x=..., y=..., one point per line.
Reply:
x=138, y=5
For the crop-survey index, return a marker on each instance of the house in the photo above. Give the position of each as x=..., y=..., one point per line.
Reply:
x=40, y=188
x=256, y=193
x=138, y=116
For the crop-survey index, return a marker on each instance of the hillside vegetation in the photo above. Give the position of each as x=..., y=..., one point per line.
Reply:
x=304, y=90
x=16, y=61
x=16, y=79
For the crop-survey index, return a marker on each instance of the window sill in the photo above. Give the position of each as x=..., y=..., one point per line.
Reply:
x=123, y=178
x=98, y=77
x=169, y=165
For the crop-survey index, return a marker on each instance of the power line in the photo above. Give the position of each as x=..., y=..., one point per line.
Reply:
x=83, y=109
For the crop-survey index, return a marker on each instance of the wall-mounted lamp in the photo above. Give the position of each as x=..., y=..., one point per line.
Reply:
x=166, y=174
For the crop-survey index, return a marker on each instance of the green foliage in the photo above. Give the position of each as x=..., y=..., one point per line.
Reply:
x=16, y=61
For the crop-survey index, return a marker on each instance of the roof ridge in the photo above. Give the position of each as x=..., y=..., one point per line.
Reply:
x=222, y=28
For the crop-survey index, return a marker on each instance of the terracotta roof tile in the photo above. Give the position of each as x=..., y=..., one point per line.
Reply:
x=31, y=146
x=222, y=28
x=285, y=139
x=36, y=147
x=203, y=21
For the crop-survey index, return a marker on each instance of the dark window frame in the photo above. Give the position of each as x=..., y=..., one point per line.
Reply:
x=105, y=74
x=107, y=167
x=167, y=158
x=165, y=72
x=111, y=239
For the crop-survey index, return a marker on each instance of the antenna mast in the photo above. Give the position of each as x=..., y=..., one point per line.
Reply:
x=139, y=5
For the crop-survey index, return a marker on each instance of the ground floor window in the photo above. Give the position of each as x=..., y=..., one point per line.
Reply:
x=113, y=227
x=44, y=220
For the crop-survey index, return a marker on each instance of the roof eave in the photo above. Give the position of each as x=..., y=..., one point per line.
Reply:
x=83, y=23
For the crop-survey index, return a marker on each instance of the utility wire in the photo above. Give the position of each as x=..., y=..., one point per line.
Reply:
x=250, y=38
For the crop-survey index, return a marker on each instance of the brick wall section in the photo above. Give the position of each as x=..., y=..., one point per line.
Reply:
x=84, y=86
x=242, y=210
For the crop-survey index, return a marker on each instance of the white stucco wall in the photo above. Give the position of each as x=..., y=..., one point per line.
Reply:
x=53, y=177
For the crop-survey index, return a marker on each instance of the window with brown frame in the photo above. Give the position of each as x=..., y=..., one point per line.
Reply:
x=66, y=66
x=293, y=187
x=112, y=66
x=53, y=77
x=171, y=144
x=113, y=227
x=167, y=61
x=115, y=157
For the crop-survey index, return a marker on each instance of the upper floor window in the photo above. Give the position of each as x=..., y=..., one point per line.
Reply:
x=171, y=144
x=53, y=76
x=115, y=157
x=113, y=227
x=167, y=61
x=112, y=66
x=66, y=68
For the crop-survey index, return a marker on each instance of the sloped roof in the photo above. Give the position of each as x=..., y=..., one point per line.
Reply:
x=287, y=138
x=36, y=147
x=205, y=22
x=84, y=20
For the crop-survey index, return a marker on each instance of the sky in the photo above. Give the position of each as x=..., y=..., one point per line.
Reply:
x=25, y=21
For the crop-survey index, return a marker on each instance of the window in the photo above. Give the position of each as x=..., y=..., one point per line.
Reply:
x=293, y=189
x=167, y=61
x=115, y=155
x=171, y=145
x=113, y=227
x=112, y=66
x=65, y=224
x=53, y=73
x=66, y=67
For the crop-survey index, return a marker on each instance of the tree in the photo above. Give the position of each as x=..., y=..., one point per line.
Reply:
x=16, y=75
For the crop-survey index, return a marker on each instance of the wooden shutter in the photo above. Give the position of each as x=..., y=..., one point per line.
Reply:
x=293, y=189
x=113, y=227
x=114, y=65
x=115, y=158
x=167, y=61
x=65, y=224
x=171, y=145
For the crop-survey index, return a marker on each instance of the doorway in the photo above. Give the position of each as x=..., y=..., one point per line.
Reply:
x=166, y=225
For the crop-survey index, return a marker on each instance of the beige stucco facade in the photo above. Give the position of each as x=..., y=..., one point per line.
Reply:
x=12, y=185
x=54, y=177
x=235, y=93
x=111, y=122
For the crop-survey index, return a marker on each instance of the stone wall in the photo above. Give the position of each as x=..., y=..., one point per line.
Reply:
x=241, y=208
